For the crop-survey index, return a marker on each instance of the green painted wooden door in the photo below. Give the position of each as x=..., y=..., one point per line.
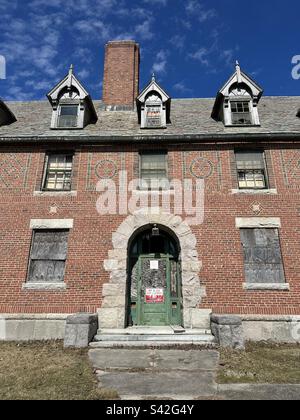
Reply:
x=155, y=291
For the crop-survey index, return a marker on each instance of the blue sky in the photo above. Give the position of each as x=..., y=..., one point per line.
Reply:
x=191, y=45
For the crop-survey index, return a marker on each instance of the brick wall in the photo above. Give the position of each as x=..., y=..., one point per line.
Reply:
x=219, y=244
x=121, y=73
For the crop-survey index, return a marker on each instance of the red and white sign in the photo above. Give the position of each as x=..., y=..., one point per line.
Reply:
x=155, y=296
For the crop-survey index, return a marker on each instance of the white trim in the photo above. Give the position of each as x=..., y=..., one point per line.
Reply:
x=258, y=222
x=44, y=286
x=266, y=286
x=272, y=191
x=51, y=224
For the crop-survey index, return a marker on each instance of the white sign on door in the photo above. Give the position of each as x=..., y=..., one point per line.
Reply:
x=154, y=265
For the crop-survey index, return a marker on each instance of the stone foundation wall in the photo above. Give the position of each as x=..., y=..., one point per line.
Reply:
x=32, y=327
x=277, y=329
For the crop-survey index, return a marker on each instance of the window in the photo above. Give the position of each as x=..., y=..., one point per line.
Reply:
x=251, y=170
x=262, y=254
x=240, y=113
x=154, y=170
x=48, y=256
x=58, y=173
x=153, y=116
x=68, y=116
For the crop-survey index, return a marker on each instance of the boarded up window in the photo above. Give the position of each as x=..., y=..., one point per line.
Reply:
x=48, y=256
x=263, y=258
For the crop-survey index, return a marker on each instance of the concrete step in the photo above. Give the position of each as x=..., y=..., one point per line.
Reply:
x=157, y=331
x=150, y=344
x=153, y=337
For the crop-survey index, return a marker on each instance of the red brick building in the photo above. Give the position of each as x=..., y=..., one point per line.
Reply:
x=221, y=236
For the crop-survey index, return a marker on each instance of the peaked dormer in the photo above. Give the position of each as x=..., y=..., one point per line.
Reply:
x=154, y=106
x=6, y=116
x=236, y=103
x=72, y=105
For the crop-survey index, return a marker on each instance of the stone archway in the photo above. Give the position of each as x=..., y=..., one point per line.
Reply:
x=113, y=311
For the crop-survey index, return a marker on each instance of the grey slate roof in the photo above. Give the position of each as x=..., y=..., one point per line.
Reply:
x=189, y=117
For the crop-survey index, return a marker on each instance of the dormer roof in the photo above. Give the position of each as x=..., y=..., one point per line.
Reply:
x=239, y=80
x=6, y=116
x=70, y=83
x=155, y=88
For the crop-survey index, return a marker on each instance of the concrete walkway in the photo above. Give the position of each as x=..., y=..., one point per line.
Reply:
x=175, y=375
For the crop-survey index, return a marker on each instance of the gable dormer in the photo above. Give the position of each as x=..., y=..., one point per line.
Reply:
x=6, y=116
x=154, y=106
x=236, y=103
x=71, y=104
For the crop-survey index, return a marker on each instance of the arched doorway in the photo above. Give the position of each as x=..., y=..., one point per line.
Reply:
x=154, y=290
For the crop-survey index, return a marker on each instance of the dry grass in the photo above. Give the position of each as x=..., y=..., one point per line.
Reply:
x=38, y=371
x=261, y=363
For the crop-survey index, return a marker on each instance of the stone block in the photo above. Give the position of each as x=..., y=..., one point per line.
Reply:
x=110, y=318
x=228, y=331
x=80, y=330
x=200, y=319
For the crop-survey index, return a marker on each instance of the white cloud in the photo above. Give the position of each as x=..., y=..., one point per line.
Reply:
x=201, y=55
x=196, y=9
x=181, y=88
x=161, y=61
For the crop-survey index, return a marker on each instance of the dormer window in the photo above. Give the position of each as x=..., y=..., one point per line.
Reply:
x=153, y=111
x=236, y=103
x=68, y=116
x=153, y=106
x=240, y=113
x=72, y=105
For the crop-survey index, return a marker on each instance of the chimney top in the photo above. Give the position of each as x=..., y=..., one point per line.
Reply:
x=121, y=74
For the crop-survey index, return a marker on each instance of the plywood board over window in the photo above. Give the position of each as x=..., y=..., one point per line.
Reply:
x=263, y=257
x=48, y=256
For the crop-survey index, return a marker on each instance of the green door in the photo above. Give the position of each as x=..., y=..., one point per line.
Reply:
x=155, y=291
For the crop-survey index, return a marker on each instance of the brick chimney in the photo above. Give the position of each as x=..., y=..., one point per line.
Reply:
x=121, y=73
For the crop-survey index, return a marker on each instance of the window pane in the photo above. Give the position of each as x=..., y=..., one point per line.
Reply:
x=69, y=110
x=251, y=170
x=68, y=116
x=59, y=172
x=262, y=254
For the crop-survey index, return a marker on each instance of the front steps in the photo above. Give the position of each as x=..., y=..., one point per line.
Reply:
x=153, y=337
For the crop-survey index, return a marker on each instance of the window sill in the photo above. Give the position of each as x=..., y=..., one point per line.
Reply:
x=266, y=286
x=67, y=128
x=242, y=125
x=271, y=191
x=44, y=286
x=162, y=192
x=55, y=193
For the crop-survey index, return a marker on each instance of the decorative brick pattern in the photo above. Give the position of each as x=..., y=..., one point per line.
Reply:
x=13, y=170
x=204, y=165
x=291, y=166
x=104, y=166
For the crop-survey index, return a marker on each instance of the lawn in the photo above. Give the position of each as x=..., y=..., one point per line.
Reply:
x=261, y=363
x=37, y=371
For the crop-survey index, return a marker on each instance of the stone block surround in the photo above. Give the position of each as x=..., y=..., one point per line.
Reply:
x=113, y=311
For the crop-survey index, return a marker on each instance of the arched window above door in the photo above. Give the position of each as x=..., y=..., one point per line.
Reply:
x=147, y=243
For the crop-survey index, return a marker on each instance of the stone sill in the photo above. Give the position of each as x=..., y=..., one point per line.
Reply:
x=55, y=193
x=266, y=286
x=272, y=191
x=162, y=192
x=44, y=286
